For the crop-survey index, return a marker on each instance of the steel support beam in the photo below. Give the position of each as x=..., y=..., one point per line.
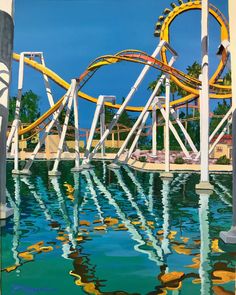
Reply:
x=230, y=236
x=127, y=99
x=204, y=101
x=6, y=46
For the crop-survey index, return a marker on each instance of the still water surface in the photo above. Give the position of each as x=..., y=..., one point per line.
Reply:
x=115, y=232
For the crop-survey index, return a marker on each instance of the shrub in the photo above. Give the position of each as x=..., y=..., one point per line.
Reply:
x=143, y=159
x=179, y=160
x=223, y=160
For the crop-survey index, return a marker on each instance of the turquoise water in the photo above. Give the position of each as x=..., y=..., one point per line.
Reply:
x=115, y=232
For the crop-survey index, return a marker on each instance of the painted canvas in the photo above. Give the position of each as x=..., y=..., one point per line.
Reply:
x=118, y=147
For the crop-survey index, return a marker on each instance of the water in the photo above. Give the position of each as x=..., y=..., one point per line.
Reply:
x=115, y=232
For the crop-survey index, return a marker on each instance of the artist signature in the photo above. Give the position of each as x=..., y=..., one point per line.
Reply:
x=32, y=290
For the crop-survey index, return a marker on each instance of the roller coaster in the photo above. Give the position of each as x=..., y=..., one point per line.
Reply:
x=188, y=83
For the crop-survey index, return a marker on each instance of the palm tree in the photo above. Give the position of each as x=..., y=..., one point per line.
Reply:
x=153, y=84
x=227, y=80
x=173, y=89
x=194, y=70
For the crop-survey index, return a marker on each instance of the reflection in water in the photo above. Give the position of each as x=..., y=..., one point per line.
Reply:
x=205, y=264
x=135, y=234
x=175, y=260
x=159, y=253
x=66, y=218
x=38, y=197
x=179, y=181
x=16, y=220
x=166, y=217
x=93, y=195
x=137, y=184
x=76, y=202
x=222, y=192
x=150, y=192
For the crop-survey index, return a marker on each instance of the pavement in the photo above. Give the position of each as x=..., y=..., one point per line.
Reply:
x=134, y=163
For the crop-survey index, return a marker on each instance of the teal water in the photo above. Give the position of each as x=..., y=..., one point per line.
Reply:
x=115, y=232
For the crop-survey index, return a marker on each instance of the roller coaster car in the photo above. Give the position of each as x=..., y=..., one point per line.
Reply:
x=157, y=33
x=173, y=5
x=161, y=18
x=166, y=11
x=158, y=25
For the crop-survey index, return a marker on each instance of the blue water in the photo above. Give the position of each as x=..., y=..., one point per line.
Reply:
x=115, y=232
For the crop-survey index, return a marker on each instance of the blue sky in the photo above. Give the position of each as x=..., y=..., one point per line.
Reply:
x=72, y=33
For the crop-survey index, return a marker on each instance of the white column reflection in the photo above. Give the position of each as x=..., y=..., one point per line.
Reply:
x=140, y=215
x=65, y=247
x=205, y=250
x=135, y=234
x=166, y=217
x=93, y=195
x=16, y=219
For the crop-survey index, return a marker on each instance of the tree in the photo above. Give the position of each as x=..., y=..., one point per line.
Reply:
x=173, y=89
x=194, y=70
x=125, y=119
x=227, y=80
x=153, y=84
x=221, y=109
x=29, y=110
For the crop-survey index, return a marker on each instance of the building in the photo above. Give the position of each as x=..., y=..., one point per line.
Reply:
x=223, y=147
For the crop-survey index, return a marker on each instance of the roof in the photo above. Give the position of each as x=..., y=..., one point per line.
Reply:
x=226, y=139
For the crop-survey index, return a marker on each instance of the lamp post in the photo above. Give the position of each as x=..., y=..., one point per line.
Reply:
x=6, y=46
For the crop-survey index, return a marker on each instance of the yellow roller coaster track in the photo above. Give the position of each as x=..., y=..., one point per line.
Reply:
x=186, y=82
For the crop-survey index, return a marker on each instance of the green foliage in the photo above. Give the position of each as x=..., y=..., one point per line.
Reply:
x=194, y=70
x=62, y=116
x=227, y=80
x=29, y=111
x=179, y=160
x=221, y=109
x=125, y=119
x=223, y=160
x=143, y=159
x=153, y=84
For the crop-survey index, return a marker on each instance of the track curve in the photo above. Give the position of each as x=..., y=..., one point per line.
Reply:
x=186, y=82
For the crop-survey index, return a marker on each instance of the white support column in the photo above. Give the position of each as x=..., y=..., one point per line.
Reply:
x=138, y=121
x=50, y=97
x=99, y=112
x=15, y=124
x=47, y=84
x=167, y=125
x=125, y=103
x=154, y=129
x=77, y=136
x=26, y=170
x=17, y=115
x=6, y=45
x=204, y=102
x=230, y=236
x=183, y=129
x=134, y=143
x=93, y=127
x=226, y=117
x=54, y=171
x=173, y=130
x=102, y=128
